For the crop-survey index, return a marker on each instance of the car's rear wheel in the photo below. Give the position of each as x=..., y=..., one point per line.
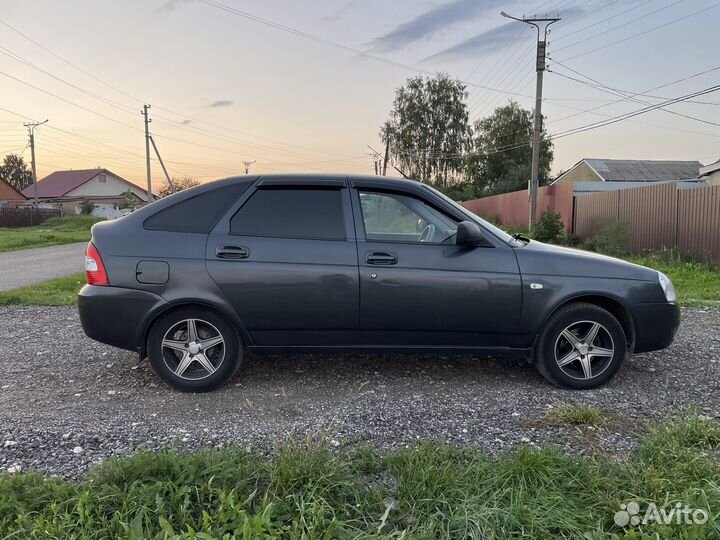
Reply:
x=581, y=346
x=194, y=349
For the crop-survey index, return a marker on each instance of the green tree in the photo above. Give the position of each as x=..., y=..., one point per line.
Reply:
x=428, y=129
x=16, y=172
x=502, y=151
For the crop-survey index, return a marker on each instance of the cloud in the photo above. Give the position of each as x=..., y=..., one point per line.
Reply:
x=492, y=40
x=171, y=5
x=489, y=41
x=433, y=21
x=340, y=12
x=222, y=103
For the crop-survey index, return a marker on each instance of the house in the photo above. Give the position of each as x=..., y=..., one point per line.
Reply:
x=626, y=170
x=69, y=189
x=711, y=173
x=9, y=196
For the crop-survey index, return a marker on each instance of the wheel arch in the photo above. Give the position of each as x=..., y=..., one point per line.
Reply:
x=231, y=318
x=609, y=303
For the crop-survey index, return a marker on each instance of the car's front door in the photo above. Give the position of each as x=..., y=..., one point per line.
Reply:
x=287, y=262
x=418, y=288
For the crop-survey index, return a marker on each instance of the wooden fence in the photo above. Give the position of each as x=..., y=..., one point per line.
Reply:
x=657, y=216
x=26, y=217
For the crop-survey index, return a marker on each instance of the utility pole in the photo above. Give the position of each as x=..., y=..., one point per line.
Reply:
x=144, y=112
x=537, y=130
x=31, y=133
x=247, y=165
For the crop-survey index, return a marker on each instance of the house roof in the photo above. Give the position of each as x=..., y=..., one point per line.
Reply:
x=60, y=183
x=8, y=191
x=707, y=169
x=631, y=170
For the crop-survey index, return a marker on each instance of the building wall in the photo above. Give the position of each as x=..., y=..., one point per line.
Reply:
x=713, y=179
x=112, y=186
x=581, y=173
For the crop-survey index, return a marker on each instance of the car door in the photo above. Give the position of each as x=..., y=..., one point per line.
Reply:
x=417, y=288
x=285, y=258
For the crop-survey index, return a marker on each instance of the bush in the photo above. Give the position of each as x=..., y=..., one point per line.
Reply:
x=612, y=239
x=86, y=207
x=549, y=228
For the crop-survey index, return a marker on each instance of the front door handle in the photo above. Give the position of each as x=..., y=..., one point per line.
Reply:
x=381, y=258
x=232, y=252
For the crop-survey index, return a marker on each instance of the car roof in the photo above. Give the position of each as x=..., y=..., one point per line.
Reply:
x=314, y=177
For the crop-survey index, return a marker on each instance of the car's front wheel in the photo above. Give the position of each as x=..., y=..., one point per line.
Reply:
x=194, y=349
x=581, y=346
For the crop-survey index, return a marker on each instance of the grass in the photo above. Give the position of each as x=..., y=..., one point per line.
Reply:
x=577, y=415
x=697, y=283
x=55, y=231
x=54, y=292
x=430, y=491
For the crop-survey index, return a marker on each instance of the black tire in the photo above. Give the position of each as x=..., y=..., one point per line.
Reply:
x=579, y=319
x=224, y=357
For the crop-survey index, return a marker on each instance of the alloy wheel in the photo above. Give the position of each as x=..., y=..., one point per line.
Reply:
x=193, y=349
x=584, y=349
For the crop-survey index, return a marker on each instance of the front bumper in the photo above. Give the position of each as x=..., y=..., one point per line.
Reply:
x=117, y=316
x=655, y=325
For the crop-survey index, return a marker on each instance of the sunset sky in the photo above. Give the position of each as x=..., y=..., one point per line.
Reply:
x=279, y=82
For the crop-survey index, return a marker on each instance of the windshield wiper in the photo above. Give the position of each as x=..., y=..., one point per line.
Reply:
x=521, y=237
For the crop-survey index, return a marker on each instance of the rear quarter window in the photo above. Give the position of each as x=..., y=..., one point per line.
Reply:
x=198, y=214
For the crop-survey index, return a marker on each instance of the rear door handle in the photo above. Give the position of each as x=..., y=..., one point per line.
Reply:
x=381, y=258
x=232, y=252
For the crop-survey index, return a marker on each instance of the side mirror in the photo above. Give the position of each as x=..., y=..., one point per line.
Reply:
x=468, y=234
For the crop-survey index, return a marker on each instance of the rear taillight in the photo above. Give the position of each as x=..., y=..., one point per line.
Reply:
x=94, y=267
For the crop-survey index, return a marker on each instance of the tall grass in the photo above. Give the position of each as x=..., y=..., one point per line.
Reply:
x=430, y=491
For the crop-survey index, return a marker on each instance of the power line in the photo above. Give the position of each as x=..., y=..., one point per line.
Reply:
x=334, y=44
x=638, y=34
x=636, y=6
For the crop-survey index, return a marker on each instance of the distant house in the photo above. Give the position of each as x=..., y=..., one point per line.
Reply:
x=630, y=170
x=9, y=196
x=711, y=173
x=70, y=188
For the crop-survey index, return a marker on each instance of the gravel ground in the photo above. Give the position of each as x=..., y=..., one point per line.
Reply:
x=67, y=402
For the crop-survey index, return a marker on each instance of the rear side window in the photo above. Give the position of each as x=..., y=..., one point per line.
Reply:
x=292, y=213
x=197, y=214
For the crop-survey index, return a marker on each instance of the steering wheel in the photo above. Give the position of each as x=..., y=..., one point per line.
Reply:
x=427, y=234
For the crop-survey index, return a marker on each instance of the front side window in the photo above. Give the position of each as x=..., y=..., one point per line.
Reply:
x=401, y=218
x=292, y=213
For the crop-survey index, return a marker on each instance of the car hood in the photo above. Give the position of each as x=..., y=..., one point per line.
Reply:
x=538, y=258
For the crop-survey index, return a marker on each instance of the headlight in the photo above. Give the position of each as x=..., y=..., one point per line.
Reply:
x=667, y=287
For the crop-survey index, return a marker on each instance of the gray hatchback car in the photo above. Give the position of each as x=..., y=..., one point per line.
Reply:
x=352, y=263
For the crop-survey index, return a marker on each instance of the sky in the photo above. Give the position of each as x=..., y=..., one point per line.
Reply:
x=304, y=86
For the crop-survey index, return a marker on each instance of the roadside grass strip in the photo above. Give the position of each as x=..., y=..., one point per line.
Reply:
x=54, y=292
x=667, y=489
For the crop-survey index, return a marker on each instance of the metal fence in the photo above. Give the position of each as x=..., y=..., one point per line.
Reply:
x=658, y=216
x=26, y=217
x=512, y=209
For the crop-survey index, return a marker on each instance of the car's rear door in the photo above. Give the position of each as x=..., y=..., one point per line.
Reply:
x=417, y=288
x=286, y=260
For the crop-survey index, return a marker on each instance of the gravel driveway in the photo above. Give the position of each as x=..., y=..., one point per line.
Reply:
x=67, y=402
x=28, y=266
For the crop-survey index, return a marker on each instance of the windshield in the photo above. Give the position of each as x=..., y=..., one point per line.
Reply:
x=474, y=217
